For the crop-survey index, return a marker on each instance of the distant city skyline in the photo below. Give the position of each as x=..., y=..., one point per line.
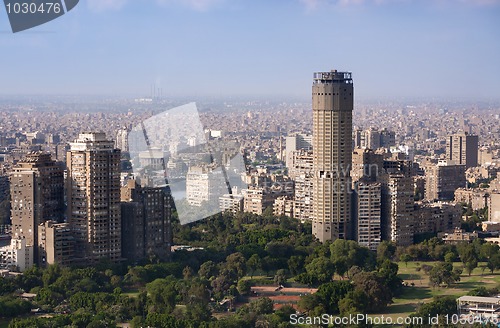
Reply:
x=443, y=49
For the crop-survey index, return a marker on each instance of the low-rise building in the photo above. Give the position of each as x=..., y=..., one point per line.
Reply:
x=283, y=206
x=17, y=256
x=458, y=236
x=231, y=202
x=55, y=243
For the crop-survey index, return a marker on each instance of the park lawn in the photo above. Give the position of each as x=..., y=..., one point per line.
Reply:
x=421, y=292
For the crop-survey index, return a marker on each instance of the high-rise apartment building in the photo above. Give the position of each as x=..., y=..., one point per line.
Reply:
x=121, y=141
x=462, y=149
x=397, y=209
x=93, y=188
x=372, y=138
x=368, y=213
x=203, y=185
x=442, y=180
x=301, y=172
x=37, y=193
x=332, y=104
x=387, y=138
x=146, y=225
x=366, y=164
x=294, y=143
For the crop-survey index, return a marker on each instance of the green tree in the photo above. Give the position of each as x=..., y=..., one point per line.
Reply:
x=388, y=273
x=208, y=270
x=378, y=294
x=405, y=258
x=356, y=301
x=244, y=286
x=296, y=264
x=280, y=277
x=254, y=263
x=330, y=294
x=321, y=270
x=450, y=257
x=443, y=273
x=493, y=262
x=236, y=263
x=469, y=256
x=162, y=295
x=441, y=305
x=386, y=250
x=347, y=253
x=263, y=305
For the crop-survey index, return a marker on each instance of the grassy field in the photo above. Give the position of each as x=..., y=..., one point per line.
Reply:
x=421, y=292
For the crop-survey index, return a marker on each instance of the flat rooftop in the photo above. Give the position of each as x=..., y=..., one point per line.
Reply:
x=332, y=76
x=479, y=299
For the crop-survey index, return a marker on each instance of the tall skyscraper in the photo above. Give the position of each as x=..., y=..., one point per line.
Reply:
x=332, y=104
x=462, y=149
x=94, y=197
x=37, y=192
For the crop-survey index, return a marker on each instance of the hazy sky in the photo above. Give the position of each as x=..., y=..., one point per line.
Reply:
x=395, y=48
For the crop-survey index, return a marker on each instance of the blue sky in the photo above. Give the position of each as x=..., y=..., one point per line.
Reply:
x=395, y=48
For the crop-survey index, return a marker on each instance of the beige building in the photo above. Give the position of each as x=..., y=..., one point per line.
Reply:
x=93, y=188
x=477, y=198
x=458, y=236
x=121, y=141
x=256, y=200
x=367, y=164
x=368, y=210
x=397, y=210
x=55, y=243
x=283, y=206
x=494, y=207
x=37, y=196
x=302, y=174
x=431, y=218
x=442, y=180
x=294, y=143
x=462, y=149
x=332, y=104
x=231, y=202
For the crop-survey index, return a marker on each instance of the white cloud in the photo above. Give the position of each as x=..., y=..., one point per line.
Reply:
x=102, y=5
